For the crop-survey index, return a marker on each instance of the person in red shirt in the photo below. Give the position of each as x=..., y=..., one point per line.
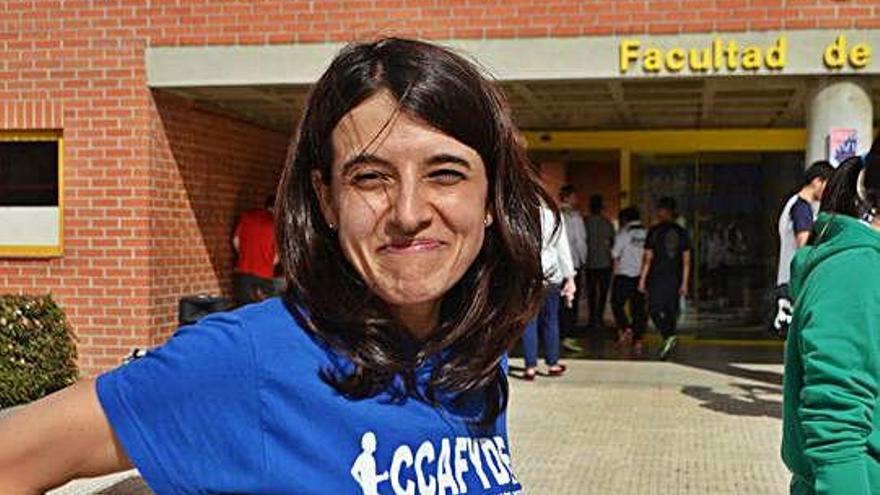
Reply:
x=254, y=241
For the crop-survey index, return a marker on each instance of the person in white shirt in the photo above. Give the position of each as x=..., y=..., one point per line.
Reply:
x=795, y=225
x=576, y=233
x=558, y=269
x=628, y=253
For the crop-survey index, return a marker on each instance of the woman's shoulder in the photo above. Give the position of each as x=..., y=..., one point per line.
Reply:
x=275, y=327
x=272, y=314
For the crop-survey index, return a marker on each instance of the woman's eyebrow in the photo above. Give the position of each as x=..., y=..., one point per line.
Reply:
x=362, y=158
x=447, y=158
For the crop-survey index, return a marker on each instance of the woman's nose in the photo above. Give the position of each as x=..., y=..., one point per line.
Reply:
x=411, y=211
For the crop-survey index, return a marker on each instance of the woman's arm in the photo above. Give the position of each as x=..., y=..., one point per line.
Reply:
x=839, y=345
x=59, y=438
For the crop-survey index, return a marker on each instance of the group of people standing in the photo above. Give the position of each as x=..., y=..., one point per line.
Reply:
x=646, y=270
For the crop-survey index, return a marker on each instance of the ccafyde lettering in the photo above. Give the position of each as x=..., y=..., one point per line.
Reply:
x=493, y=461
x=427, y=484
x=443, y=466
x=505, y=457
x=402, y=456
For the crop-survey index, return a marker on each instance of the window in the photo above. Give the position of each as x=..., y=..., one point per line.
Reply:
x=30, y=194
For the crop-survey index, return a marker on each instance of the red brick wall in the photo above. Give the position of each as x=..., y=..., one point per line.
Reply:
x=273, y=21
x=206, y=170
x=78, y=65
x=61, y=74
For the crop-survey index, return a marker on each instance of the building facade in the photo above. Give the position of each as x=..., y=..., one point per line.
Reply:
x=164, y=119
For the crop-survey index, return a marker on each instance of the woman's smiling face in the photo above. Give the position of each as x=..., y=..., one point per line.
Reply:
x=409, y=203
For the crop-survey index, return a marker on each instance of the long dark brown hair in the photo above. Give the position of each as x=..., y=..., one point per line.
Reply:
x=485, y=312
x=854, y=188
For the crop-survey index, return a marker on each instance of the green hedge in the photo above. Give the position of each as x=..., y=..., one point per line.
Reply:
x=37, y=349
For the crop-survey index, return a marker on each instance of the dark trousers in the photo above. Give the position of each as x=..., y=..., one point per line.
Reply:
x=568, y=315
x=598, y=280
x=547, y=323
x=663, y=306
x=248, y=289
x=626, y=290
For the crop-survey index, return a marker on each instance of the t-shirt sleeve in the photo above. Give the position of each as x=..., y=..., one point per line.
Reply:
x=187, y=414
x=801, y=216
x=620, y=240
x=651, y=240
x=686, y=244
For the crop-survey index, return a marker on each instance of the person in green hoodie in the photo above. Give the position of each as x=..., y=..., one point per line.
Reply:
x=831, y=423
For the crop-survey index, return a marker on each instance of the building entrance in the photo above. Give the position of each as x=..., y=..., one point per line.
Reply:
x=730, y=186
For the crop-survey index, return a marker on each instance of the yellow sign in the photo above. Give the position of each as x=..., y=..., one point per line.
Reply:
x=730, y=55
x=836, y=54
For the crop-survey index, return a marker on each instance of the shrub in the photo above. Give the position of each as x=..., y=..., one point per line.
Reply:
x=37, y=349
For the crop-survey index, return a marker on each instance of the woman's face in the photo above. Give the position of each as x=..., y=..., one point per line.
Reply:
x=408, y=202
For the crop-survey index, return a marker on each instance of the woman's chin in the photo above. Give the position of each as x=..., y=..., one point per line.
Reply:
x=411, y=299
x=411, y=295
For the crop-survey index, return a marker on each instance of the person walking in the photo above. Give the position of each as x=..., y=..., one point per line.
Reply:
x=600, y=237
x=577, y=243
x=628, y=253
x=795, y=224
x=665, y=272
x=831, y=394
x=559, y=276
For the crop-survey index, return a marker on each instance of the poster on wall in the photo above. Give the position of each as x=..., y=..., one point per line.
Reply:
x=842, y=144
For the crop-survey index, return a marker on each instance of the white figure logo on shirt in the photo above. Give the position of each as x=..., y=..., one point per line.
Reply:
x=364, y=468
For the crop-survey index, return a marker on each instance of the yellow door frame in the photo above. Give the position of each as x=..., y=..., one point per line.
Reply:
x=667, y=141
x=41, y=251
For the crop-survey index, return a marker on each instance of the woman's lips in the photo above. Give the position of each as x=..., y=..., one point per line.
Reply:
x=412, y=246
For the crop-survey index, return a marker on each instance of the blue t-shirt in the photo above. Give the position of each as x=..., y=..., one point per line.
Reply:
x=802, y=216
x=235, y=404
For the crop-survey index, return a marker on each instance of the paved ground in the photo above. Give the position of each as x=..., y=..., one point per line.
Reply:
x=622, y=427
x=706, y=423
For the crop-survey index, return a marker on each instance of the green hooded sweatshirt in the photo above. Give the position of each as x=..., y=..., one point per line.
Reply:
x=831, y=424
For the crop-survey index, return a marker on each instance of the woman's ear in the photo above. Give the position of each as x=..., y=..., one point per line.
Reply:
x=325, y=198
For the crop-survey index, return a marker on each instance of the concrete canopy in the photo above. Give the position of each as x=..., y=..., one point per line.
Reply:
x=562, y=83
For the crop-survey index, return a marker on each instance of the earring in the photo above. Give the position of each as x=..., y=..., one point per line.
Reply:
x=331, y=225
x=487, y=221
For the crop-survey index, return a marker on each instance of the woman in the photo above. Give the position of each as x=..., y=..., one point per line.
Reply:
x=831, y=439
x=559, y=272
x=408, y=226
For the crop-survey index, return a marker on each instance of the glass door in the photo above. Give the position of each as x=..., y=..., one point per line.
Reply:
x=730, y=203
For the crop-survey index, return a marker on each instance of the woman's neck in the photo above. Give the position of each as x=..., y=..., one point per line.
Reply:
x=419, y=320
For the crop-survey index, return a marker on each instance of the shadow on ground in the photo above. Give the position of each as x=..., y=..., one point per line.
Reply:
x=747, y=403
x=728, y=359
x=131, y=486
